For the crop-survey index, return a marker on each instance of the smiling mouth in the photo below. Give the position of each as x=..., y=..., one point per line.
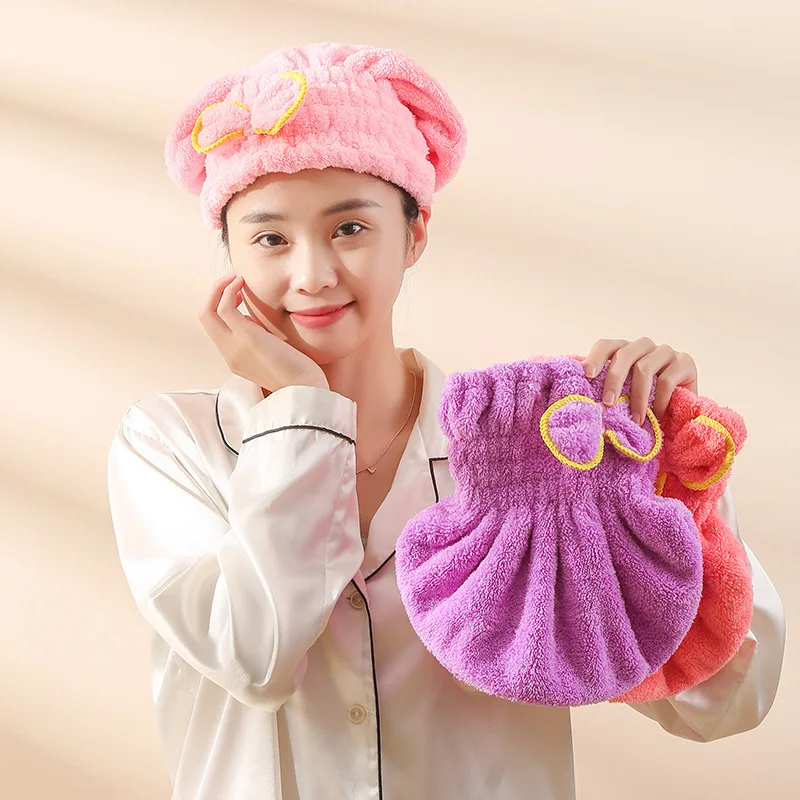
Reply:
x=319, y=312
x=320, y=317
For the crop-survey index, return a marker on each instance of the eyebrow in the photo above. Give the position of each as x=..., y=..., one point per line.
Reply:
x=259, y=217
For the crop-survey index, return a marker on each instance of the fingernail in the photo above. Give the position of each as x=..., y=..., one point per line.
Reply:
x=608, y=397
x=637, y=418
x=591, y=371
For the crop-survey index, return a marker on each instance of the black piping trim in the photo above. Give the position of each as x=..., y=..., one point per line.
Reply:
x=435, y=491
x=375, y=689
x=274, y=430
x=378, y=569
x=433, y=476
x=219, y=426
x=304, y=427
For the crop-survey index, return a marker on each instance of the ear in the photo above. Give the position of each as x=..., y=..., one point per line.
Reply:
x=436, y=116
x=419, y=236
x=185, y=165
x=701, y=439
x=702, y=451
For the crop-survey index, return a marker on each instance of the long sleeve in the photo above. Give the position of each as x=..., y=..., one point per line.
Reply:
x=241, y=592
x=739, y=696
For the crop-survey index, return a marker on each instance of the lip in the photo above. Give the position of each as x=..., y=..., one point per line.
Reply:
x=317, y=312
x=320, y=317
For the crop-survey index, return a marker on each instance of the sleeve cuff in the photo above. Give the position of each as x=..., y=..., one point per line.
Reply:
x=305, y=407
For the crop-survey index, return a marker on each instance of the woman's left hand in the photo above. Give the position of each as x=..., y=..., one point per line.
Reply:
x=645, y=360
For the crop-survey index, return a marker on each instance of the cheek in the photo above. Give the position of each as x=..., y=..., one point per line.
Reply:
x=262, y=280
x=377, y=272
x=263, y=287
x=263, y=308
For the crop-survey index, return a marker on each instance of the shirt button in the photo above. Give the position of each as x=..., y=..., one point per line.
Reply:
x=356, y=600
x=357, y=713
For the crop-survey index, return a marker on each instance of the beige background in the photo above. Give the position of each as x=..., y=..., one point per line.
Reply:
x=633, y=169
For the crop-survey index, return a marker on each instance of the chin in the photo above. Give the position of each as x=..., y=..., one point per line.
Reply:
x=335, y=343
x=324, y=352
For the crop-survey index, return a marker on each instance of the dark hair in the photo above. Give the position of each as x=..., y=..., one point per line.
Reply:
x=410, y=212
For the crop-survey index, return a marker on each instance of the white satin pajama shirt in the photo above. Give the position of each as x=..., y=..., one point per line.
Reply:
x=283, y=663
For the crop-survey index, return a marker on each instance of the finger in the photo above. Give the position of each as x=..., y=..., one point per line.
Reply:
x=621, y=363
x=270, y=326
x=245, y=324
x=208, y=315
x=681, y=372
x=602, y=351
x=644, y=371
x=212, y=302
x=229, y=307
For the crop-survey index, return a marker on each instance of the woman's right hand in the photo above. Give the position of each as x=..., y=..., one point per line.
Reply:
x=250, y=350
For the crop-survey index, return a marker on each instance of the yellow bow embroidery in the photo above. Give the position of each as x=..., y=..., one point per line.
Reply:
x=544, y=427
x=730, y=452
x=287, y=114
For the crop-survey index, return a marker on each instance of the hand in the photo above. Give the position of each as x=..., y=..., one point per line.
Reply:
x=645, y=360
x=249, y=349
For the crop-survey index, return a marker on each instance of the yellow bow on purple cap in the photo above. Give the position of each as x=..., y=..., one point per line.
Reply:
x=575, y=428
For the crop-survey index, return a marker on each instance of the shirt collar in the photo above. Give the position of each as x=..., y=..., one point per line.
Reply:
x=238, y=395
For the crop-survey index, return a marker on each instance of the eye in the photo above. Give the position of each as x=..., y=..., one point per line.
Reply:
x=270, y=240
x=349, y=228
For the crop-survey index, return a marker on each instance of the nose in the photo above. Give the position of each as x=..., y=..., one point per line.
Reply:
x=313, y=269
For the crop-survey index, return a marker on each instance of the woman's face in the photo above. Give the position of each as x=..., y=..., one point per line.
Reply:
x=317, y=239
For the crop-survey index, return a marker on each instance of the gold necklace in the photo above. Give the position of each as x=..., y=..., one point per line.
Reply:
x=371, y=467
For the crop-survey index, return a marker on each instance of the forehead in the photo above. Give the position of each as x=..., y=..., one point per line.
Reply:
x=310, y=189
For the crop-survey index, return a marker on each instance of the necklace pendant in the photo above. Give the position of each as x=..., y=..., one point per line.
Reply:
x=371, y=470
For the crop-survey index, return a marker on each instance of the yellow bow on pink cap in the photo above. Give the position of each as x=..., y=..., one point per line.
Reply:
x=219, y=122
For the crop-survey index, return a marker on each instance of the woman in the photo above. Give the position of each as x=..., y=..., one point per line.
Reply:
x=256, y=523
